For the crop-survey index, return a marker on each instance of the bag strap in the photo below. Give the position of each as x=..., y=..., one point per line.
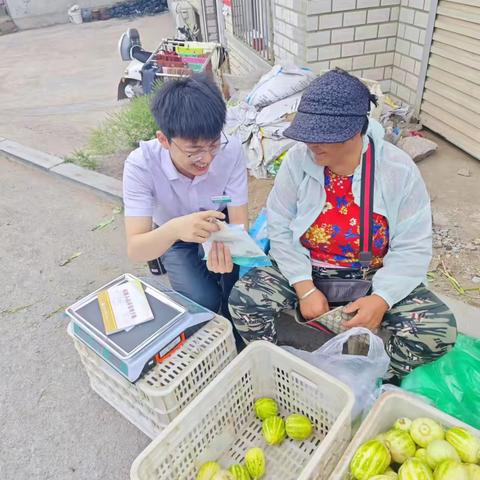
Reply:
x=366, y=206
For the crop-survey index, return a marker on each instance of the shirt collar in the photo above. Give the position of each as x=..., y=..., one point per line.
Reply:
x=167, y=165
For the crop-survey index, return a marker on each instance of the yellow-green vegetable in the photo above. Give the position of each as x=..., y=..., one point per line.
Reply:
x=255, y=463
x=273, y=429
x=467, y=446
x=438, y=451
x=425, y=430
x=415, y=469
x=265, y=407
x=473, y=471
x=450, y=470
x=400, y=444
x=208, y=470
x=421, y=453
x=389, y=473
x=239, y=472
x=372, y=458
x=298, y=427
x=403, y=423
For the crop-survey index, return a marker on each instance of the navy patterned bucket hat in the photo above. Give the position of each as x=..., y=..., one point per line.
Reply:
x=333, y=109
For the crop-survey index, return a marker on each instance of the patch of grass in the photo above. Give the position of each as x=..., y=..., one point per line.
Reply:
x=83, y=159
x=123, y=130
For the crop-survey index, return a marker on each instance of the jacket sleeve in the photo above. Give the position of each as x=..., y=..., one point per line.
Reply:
x=410, y=250
x=282, y=209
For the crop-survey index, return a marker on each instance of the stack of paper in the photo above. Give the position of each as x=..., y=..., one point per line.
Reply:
x=124, y=306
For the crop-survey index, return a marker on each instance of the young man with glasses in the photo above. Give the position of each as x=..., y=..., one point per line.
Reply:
x=177, y=184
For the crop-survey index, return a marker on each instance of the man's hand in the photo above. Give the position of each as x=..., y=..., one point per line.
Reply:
x=370, y=311
x=314, y=305
x=196, y=227
x=219, y=259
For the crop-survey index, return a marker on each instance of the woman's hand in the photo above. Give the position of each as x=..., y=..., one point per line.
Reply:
x=314, y=305
x=370, y=312
x=219, y=259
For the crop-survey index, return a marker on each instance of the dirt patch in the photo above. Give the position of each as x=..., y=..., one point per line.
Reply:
x=455, y=267
x=112, y=165
x=258, y=190
x=456, y=217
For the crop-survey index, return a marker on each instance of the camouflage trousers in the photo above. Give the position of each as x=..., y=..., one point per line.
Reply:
x=417, y=330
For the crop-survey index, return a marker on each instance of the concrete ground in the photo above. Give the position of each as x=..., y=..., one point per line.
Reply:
x=58, y=83
x=52, y=426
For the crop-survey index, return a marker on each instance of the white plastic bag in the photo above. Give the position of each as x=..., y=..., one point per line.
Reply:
x=275, y=111
x=280, y=82
x=361, y=373
x=243, y=248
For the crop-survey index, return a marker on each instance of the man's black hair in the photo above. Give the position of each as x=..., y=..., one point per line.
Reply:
x=192, y=108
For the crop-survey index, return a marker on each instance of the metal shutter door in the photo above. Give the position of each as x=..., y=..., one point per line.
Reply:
x=451, y=99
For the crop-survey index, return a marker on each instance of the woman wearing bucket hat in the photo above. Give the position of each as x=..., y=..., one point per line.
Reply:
x=350, y=224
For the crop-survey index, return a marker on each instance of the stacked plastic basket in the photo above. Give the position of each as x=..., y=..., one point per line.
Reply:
x=158, y=397
x=220, y=424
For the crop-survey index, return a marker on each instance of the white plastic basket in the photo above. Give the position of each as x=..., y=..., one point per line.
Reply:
x=161, y=394
x=386, y=410
x=220, y=423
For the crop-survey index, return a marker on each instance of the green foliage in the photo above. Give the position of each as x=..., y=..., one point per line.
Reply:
x=82, y=159
x=123, y=130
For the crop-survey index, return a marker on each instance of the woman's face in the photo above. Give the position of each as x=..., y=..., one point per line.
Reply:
x=331, y=154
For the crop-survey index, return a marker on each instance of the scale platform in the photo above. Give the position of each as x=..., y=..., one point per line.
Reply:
x=134, y=351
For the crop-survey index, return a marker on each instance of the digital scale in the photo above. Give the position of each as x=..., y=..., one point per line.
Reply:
x=134, y=351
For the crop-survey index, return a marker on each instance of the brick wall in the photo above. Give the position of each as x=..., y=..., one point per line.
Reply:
x=356, y=35
x=412, y=26
x=210, y=11
x=382, y=40
x=289, y=25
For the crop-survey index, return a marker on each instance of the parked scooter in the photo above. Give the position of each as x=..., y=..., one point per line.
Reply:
x=130, y=48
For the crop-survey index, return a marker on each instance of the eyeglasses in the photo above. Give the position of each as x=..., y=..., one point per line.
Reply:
x=213, y=150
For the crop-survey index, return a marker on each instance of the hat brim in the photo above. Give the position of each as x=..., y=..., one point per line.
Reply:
x=311, y=128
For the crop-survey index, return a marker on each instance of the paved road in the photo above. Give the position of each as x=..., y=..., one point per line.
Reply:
x=60, y=82
x=52, y=426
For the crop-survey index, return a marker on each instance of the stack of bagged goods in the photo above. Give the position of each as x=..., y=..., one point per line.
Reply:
x=260, y=116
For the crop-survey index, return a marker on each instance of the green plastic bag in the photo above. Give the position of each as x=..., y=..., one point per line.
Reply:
x=452, y=382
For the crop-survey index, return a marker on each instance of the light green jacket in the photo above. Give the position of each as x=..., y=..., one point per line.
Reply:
x=298, y=197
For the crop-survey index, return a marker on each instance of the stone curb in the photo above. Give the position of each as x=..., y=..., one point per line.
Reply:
x=89, y=178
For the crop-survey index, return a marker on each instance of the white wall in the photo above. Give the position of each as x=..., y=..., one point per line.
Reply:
x=383, y=40
x=40, y=13
x=410, y=49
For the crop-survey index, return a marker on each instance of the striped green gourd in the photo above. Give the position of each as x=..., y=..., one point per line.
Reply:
x=466, y=445
x=372, y=458
x=415, y=469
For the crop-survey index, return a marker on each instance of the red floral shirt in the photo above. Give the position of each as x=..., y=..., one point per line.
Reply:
x=334, y=237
